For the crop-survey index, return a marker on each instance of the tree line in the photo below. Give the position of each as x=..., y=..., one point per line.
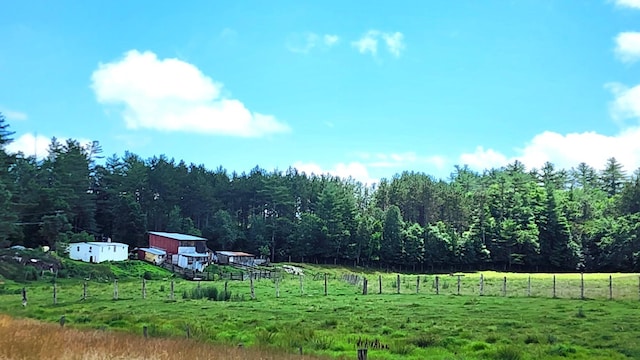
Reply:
x=510, y=218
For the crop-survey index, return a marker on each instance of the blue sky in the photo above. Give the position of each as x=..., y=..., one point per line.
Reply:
x=351, y=88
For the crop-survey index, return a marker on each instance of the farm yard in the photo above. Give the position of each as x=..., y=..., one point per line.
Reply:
x=422, y=322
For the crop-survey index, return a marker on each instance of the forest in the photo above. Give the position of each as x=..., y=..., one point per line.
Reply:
x=511, y=218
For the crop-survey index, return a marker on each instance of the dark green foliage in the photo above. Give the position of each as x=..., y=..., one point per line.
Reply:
x=209, y=293
x=510, y=218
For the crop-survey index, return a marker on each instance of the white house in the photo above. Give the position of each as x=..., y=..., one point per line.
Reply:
x=95, y=252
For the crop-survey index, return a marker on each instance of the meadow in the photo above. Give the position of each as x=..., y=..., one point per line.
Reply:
x=415, y=324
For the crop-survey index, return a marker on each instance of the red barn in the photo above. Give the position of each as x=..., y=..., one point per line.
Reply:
x=174, y=243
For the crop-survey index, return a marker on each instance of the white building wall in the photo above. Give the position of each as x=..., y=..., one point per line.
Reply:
x=97, y=252
x=186, y=249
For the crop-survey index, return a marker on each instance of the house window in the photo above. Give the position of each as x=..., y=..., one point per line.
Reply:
x=89, y=248
x=78, y=248
x=189, y=260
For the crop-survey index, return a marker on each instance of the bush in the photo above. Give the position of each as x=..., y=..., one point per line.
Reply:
x=425, y=340
x=210, y=293
x=31, y=273
x=508, y=353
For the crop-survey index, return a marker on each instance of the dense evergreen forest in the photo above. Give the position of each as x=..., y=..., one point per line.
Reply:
x=511, y=218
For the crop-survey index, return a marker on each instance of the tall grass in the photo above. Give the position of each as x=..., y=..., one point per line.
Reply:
x=29, y=339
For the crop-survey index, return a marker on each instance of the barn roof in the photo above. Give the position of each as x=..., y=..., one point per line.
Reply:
x=234, y=253
x=176, y=236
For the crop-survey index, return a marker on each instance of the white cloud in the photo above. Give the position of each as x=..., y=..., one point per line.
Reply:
x=304, y=43
x=565, y=151
x=483, y=159
x=354, y=170
x=30, y=145
x=13, y=115
x=173, y=95
x=368, y=43
x=628, y=46
x=635, y=4
x=331, y=40
x=395, y=43
x=626, y=104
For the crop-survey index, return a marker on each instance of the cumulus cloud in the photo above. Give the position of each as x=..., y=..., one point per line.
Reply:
x=634, y=4
x=368, y=43
x=354, y=170
x=565, y=151
x=304, y=43
x=395, y=43
x=173, y=95
x=13, y=115
x=628, y=46
x=626, y=102
x=30, y=145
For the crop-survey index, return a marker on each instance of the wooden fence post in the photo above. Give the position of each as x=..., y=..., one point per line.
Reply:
x=226, y=289
x=188, y=330
x=380, y=285
x=529, y=286
x=437, y=285
x=84, y=291
x=610, y=288
x=301, y=285
x=253, y=293
x=418, y=284
x=459, y=284
x=172, y=288
x=24, y=296
x=365, y=285
x=63, y=319
x=144, y=288
x=504, y=286
x=554, y=286
x=398, y=283
x=362, y=354
x=145, y=331
x=325, y=284
x=115, y=289
x=55, y=294
x=481, y=284
x=582, y=286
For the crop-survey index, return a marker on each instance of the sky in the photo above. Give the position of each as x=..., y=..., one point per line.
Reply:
x=354, y=89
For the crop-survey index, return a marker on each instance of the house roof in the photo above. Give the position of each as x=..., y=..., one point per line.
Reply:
x=234, y=253
x=154, y=251
x=193, y=254
x=176, y=236
x=97, y=243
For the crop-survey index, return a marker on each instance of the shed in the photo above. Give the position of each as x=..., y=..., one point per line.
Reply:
x=236, y=257
x=152, y=255
x=96, y=252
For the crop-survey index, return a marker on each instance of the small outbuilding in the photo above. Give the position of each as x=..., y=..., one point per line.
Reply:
x=152, y=255
x=235, y=257
x=97, y=252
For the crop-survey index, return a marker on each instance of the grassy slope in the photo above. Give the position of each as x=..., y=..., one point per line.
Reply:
x=411, y=325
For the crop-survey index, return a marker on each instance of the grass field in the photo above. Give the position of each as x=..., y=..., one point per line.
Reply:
x=409, y=325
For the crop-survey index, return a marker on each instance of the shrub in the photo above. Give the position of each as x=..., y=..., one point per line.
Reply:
x=508, y=353
x=562, y=350
x=425, y=340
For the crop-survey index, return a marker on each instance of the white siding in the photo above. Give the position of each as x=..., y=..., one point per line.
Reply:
x=98, y=252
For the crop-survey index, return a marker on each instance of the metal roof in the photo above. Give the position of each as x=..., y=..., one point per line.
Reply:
x=97, y=243
x=193, y=254
x=176, y=236
x=154, y=251
x=234, y=253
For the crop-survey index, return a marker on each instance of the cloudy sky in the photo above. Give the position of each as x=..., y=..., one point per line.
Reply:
x=355, y=89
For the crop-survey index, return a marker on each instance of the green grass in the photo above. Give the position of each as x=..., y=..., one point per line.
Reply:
x=406, y=326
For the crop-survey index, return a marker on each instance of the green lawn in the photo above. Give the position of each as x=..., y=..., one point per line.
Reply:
x=408, y=326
